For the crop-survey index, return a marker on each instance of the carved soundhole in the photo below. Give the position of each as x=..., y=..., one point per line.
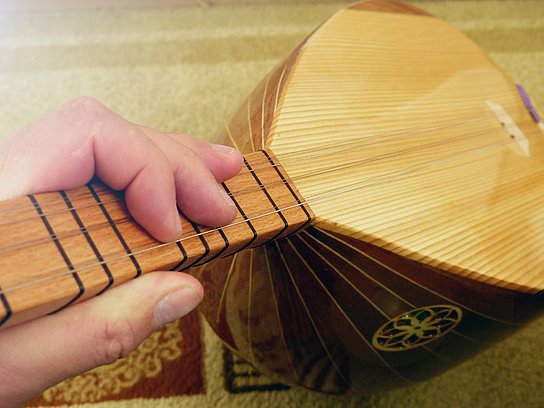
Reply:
x=417, y=328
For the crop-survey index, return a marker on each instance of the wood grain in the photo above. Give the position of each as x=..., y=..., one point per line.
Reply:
x=427, y=245
x=61, y=248
x=429, y=172
x=427, y=241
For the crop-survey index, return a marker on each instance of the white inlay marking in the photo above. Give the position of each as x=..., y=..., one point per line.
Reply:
x=508, y=123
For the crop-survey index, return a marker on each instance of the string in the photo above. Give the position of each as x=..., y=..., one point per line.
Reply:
x=61, y=211
x=250, y=190
x=376, y=138
x=77, y=232
x=331, y=193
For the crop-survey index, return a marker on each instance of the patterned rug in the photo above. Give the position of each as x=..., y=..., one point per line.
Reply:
x=181, y=69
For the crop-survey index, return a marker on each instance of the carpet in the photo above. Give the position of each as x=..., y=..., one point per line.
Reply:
x=186, y=69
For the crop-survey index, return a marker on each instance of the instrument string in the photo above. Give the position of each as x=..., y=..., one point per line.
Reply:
x=376, y=138
x=332, y=193
x=249, y=190
x=286, y=159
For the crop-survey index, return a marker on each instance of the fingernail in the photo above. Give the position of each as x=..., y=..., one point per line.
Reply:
x=175, y=305
x=223, y=149
x=177, y=223
x=226, y=197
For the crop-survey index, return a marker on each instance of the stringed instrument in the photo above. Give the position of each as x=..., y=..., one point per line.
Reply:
x=390, y=223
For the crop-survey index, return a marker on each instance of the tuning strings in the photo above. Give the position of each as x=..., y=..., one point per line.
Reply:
x=360, y=144
x=322, y=150
x=333, y=193
x=244, y=191
x=311, y=199
x=253, y=189
x=286, y=158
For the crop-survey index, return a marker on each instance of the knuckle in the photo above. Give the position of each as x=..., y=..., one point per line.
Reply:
x=190, y=153
x=187, y=162
x=114, y=340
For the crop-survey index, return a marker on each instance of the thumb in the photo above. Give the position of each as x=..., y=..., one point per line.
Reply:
x=41, y=353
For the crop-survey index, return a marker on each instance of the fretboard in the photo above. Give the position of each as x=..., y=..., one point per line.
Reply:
x=60, y=248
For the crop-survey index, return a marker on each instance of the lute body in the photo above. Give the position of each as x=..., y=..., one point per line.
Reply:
x=390, y=220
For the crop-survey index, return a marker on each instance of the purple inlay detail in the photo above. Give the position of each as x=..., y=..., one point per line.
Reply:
x=528, y=103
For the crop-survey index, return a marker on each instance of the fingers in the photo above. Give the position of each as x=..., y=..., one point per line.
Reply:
x=196, y=182
x=158, y=170
x=224, y=162
x=125, y=159
x=43, y=352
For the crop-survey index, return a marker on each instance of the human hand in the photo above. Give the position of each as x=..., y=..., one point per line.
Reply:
x=159, y=172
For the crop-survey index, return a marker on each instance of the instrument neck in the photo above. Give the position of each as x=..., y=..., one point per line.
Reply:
x=63, y=247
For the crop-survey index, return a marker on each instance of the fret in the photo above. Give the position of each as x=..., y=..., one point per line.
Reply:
x=115, y=229
x=220, y=252
x=253, y=196
x=56, y=240
x=282, y=192
x=291, y=190
x=7, y=309
x=89, y=241
x=100, y=232
x=30, y=264
x=243, y=234
x=64, y=247
x=204, y=243
x=276, y=209
x=227, y=244
x=244, y=216
x=64, y=221
x=182, y=262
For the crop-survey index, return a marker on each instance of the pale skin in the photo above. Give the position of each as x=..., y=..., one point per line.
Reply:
x=159, y=172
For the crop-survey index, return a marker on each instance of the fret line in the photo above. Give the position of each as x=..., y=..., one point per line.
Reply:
x=206, y=246
x=184, y=253
x=244, y=216
x=115, y=230
x=217, y=255
x=61, y=250
x=7, y=307
x=276, y=208
x=90, y=241
x=295, y=196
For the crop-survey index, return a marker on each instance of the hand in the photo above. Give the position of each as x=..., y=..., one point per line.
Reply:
x=159, y=172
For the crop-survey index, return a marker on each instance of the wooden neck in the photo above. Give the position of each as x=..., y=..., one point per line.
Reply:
x=63, y=247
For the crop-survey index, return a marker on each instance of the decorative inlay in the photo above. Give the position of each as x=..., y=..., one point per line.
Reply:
x=417, y=327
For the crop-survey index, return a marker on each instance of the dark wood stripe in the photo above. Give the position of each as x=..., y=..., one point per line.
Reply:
x=51, y=232
x=227, y=244
x=89, y=241
x=244, y=216
x=290, y=189
x=403, y=276
x=7, y=307
x=286, y=225
x=217, y=255
x=206, y=246
x=116, y=230
x=184, y=253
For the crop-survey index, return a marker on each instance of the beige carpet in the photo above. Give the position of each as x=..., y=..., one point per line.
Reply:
x=185, y=69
